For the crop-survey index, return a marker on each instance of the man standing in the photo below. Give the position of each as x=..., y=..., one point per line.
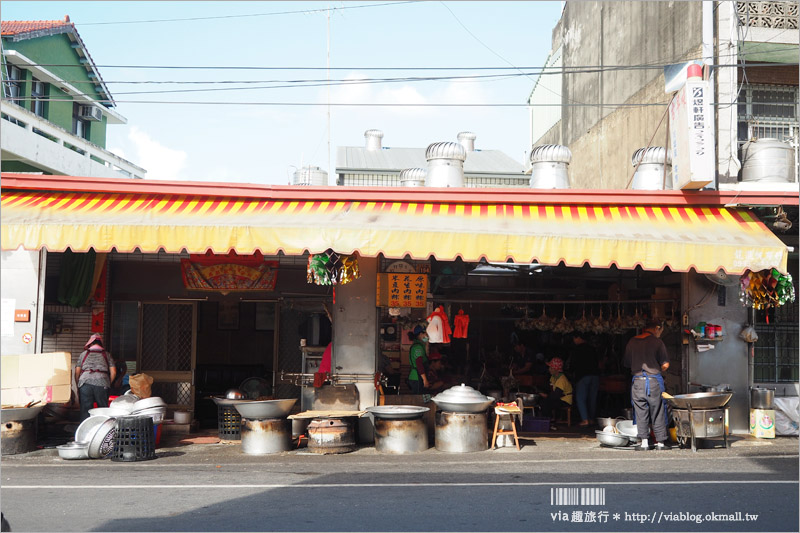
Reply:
x=587, y=378
x=646, y=356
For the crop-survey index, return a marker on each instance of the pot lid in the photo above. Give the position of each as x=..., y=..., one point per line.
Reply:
x=460, y=394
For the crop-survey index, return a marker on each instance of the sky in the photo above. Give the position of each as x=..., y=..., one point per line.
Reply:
x=261, y=123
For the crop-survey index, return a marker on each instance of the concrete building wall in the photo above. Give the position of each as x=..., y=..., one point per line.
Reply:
x=21, y=287
x=606, y=34
x=601, y=157
x=729, y=361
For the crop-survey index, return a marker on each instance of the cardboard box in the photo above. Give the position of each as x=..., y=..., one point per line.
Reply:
x=762, y=423
x=44, y=377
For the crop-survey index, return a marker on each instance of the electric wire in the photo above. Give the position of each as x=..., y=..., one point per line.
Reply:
x=251, y=15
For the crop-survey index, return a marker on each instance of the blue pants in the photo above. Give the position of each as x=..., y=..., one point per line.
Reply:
x=649, y=409
x=89, y=394
x=586, y=396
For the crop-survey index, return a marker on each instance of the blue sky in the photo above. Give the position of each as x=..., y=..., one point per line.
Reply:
x=179, y=138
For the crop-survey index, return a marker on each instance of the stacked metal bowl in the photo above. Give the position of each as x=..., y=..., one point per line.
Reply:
x=94, y=439
x=153, y=407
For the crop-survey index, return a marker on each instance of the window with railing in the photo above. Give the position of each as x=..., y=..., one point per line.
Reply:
x=770, y=112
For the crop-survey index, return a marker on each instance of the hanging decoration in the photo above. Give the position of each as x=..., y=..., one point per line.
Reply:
x=330, y=268
x=229, y=272
x=765, y=289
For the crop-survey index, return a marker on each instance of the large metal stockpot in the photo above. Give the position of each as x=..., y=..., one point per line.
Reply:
x=461, y=432
x=265, y=436
x=761, y=398
x=400, y=428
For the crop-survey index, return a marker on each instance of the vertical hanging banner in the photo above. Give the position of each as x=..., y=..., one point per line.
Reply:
x=402, y=289
x=231, y=272
x=692, y=135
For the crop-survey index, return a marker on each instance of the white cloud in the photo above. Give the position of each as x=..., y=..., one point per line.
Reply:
x=159, y=161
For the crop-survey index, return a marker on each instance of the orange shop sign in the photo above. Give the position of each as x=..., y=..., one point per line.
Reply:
x=402, y=289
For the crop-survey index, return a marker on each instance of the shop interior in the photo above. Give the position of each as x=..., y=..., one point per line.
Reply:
x=156, y=326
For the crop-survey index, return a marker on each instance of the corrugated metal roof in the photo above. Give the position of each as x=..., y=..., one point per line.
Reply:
x=387, y=159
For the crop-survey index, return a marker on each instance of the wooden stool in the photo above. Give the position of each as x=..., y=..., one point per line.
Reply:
x=498, y=412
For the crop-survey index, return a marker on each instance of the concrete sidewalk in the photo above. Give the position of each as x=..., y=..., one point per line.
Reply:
x=570, y=443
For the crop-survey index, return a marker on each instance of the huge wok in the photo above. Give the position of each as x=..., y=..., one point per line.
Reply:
x=261, y=409
x=700, y=400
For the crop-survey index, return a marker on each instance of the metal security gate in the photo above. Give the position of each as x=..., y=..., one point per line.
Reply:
x=167, y=340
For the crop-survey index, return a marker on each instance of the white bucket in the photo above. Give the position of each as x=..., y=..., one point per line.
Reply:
x=182, y=417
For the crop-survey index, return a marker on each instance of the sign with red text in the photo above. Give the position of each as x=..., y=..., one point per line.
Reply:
x=402, y=289
x=692, y=136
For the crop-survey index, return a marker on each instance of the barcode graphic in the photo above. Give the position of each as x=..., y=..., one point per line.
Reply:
x=577, y=496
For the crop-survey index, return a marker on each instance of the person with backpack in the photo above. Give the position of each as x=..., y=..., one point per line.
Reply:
x=94, y=374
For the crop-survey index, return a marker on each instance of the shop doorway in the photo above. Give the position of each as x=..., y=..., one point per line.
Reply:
x=167, y=340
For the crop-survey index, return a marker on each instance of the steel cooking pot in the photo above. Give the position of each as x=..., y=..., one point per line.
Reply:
x=234, y=394
x=761, y=398
x=462, y=399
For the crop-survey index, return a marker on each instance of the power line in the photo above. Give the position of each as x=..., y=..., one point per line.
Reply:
x=272, y=14
x=377, y=104
x=554, y=71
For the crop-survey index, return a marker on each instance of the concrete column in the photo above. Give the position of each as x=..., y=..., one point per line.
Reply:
x=22, y=287
x=728, y=163
x=355, y=320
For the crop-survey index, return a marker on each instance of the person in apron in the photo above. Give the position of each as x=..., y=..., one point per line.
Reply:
x=646, y=356
x=418, y=360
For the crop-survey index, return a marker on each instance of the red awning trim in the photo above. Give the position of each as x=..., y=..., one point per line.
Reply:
x=395, y=194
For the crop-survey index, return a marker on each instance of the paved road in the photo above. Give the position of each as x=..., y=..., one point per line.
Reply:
x=217, y=488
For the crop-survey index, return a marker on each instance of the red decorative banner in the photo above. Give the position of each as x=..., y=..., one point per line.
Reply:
x=230, y=272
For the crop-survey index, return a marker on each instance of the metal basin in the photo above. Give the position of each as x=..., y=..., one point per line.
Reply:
x=17, y=414
x=261, y=409
x=73, y=450
x=397, y=412
x=147, y=403
x=627, y=428
x=611, y=439
x=700, y=400
x=224, y=402
x=108, y=411
x=125, y=402
x=89, y=427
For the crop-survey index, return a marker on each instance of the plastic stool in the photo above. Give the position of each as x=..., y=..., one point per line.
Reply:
x=498, y=413
x=229, y=423
x=134, y=439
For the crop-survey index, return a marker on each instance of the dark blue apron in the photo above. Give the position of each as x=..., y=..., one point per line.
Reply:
x=660, y=379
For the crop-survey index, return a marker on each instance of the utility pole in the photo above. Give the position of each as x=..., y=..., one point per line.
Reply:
x=328, y=69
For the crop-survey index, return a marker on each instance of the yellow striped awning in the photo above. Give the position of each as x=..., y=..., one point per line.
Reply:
x=651, y=236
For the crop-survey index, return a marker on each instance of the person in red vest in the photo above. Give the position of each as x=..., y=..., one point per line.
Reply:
x=94, y=374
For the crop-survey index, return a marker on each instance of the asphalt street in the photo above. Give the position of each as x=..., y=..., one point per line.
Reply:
x=569, y=484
